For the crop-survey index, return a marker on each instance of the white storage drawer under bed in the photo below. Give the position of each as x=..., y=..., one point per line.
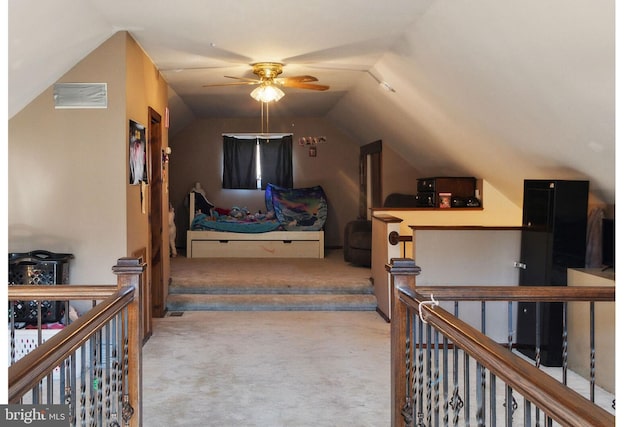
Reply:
x=279, y=244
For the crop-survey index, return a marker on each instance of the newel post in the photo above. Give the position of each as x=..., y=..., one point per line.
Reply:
x=403, y=275
x=129, y=272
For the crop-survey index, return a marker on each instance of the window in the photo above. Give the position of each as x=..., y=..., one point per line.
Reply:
x=252, y=163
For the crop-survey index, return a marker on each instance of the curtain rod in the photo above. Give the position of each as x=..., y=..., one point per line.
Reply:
x=257, y=135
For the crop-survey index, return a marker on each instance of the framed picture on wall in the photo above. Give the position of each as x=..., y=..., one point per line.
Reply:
x=137, y=154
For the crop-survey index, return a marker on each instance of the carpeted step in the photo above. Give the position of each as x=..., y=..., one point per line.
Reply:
x=271, y=302
x=269, y=284
x=364, y=287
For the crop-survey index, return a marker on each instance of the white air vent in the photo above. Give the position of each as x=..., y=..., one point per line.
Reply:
x=80, y=95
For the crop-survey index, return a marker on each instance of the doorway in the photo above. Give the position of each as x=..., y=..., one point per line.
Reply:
x=370, y=178
x=156, y=215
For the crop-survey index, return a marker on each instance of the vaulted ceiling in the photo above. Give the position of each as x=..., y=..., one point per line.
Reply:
x=500, y=90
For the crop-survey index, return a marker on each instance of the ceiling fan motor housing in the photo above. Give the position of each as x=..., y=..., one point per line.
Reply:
x=267, y=70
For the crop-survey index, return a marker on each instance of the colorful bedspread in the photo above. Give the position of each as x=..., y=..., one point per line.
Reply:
x=228, y=223
x=291, y=209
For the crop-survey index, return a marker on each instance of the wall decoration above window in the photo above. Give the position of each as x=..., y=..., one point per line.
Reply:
x=312, y=140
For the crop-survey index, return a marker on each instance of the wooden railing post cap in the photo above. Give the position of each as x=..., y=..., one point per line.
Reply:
x=129, y=265
x=403, y=266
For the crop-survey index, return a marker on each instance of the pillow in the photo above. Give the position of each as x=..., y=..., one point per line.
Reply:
x=300, y=208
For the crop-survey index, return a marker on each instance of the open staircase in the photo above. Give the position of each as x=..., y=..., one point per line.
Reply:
x=232, y=284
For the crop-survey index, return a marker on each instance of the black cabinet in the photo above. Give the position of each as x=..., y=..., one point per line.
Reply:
x=554, y=236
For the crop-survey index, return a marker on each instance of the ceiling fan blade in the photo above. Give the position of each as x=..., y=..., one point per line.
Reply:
x=246, y=79
x=181, y=69
x=303, y=85
x=228, y=55
x=305, y=79
x=240, y=83
x=372, y=48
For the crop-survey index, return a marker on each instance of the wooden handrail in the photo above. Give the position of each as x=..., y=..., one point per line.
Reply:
x=518, y=293
x=61, y=292
x=561, y=403
x=51, y=353
x=466, y=227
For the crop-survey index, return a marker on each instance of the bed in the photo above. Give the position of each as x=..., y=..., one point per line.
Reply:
x=292, y=226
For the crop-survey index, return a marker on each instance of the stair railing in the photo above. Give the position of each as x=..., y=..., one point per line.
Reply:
x=93, y=366
x=429, y=344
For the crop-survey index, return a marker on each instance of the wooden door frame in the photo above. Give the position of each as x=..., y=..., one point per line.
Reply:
x=372, y=151
x=157, y=217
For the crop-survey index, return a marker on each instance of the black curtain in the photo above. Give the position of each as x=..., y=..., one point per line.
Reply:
x=239, y=169
x=276, y=161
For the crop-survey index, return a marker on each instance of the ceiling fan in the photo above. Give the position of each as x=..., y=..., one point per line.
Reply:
x=268, y=81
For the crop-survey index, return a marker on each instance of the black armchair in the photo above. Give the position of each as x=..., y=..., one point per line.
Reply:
x=357, y=242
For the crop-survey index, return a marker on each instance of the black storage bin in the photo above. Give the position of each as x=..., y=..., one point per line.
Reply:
x=38, y=268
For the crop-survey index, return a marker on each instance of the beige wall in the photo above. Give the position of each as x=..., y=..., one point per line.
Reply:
x=68, y=169
x=197, y=157
x=398, y=176
x=145, y=89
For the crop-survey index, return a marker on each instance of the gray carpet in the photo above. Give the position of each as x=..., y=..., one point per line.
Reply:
x=246, y=284
x=280, y=369
x=267, y=369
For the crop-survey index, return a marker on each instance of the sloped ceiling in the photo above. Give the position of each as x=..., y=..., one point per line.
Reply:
x=503, y=91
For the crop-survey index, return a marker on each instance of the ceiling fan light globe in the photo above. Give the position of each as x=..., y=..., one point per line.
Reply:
x=267, y=93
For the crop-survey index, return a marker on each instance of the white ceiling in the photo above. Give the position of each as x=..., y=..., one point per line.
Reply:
x=499, y=90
